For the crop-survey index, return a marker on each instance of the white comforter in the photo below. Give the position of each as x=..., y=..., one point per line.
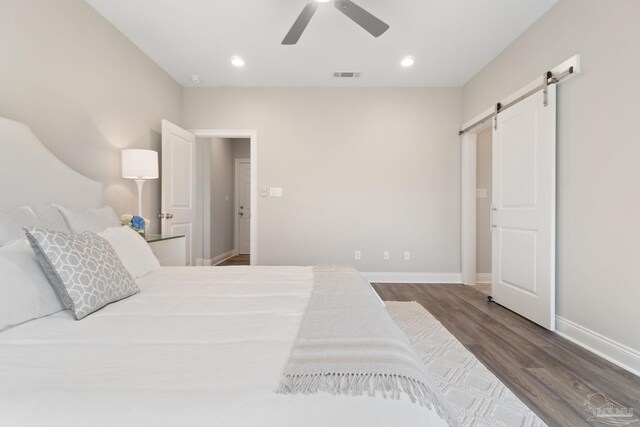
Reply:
x=196, y=347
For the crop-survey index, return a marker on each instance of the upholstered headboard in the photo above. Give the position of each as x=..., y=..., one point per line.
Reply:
x=30, y=175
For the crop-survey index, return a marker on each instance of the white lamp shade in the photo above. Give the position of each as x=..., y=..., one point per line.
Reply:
x=139, y=164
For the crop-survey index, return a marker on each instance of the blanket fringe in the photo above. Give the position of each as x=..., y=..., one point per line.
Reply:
x=357, y=384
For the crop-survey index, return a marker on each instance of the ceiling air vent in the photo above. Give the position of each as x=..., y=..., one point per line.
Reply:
x=347, y=75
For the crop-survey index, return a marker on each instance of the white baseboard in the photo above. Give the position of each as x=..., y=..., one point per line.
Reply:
x=613, y=351
x=222, y=257
x=217, y=260
x=483, y=278
x=408, y=277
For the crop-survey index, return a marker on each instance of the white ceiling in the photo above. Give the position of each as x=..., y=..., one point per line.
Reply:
x=451, y=40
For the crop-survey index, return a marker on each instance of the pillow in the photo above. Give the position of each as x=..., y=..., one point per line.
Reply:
x=25, y=292
x=134, y=252
x=12, y=220
x=84, y=270
x=98, y=219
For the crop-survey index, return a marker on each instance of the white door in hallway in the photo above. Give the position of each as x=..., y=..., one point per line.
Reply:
x=523, y=208
x=243, y=206
x=178, y=184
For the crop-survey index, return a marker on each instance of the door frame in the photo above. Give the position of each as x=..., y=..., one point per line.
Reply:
x=468, y=173
x=236, y=223
x=252, y=135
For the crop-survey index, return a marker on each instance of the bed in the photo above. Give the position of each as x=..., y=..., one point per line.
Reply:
x=197, y=346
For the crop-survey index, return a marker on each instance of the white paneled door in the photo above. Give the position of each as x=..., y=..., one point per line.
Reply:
x=243, y=205
x=523, y=209
x=178, y=184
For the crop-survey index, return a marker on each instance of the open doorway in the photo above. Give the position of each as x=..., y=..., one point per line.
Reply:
x=229, y=176
x=483, y=210
x=225, y=186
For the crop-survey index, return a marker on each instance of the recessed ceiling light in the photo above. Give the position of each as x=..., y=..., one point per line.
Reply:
x=237, y=61
x=323, y=1
x=407, y=61
x=196, y=79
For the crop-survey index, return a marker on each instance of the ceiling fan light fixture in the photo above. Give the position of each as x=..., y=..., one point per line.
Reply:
x=236, y=61
x=407, y=61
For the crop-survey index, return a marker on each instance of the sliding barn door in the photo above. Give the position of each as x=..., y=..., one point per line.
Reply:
x=524, y=209
x=178, y=184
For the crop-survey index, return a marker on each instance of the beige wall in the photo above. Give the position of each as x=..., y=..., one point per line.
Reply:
x=598, y=220
x=361, y=169
x=241, y=148
x=85, y=90
x=483, y=180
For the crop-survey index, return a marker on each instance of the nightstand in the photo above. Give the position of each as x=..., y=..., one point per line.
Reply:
x=170, y=250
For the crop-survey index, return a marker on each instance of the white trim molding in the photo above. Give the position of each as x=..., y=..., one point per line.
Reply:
x=216, y=260
x=615, y=352
x=483, y=278
x=408, y=277
x=222, y=257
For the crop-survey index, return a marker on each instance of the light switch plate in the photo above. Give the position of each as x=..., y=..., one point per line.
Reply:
x=357, y=255
x=275, y=191
x=481, y=193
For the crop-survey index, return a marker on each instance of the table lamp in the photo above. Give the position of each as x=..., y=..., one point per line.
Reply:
x=139, y=165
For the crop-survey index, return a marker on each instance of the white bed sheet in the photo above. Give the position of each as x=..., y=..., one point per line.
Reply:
x=196, y=347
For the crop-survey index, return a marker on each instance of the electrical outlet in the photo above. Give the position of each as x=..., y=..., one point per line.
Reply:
x=357, y=255
x=407, y=255
x=386, y=255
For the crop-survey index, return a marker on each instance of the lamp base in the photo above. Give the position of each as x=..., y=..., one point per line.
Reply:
x=140, y=183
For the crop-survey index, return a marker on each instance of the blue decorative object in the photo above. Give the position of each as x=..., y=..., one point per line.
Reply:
x=138, y=223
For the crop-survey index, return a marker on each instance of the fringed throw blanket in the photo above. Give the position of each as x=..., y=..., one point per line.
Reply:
x=348, y=344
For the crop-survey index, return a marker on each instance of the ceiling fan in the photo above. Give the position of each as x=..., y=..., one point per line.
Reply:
x=357, y=14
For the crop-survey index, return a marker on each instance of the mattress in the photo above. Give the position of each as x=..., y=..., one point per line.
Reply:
x=198, y=346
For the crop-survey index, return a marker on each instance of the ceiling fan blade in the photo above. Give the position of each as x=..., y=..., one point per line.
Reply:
x=301, y=23
x=361, y=17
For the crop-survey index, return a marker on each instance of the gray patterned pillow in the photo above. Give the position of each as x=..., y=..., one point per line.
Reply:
x=83, y=268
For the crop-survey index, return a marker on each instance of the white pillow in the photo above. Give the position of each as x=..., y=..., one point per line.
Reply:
x=25, y=292
x=95, y=220
x=12, y=220
x=134, y=252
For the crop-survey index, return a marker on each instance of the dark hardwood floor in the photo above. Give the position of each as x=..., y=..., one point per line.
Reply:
x=236, y=260
x=550, y=374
